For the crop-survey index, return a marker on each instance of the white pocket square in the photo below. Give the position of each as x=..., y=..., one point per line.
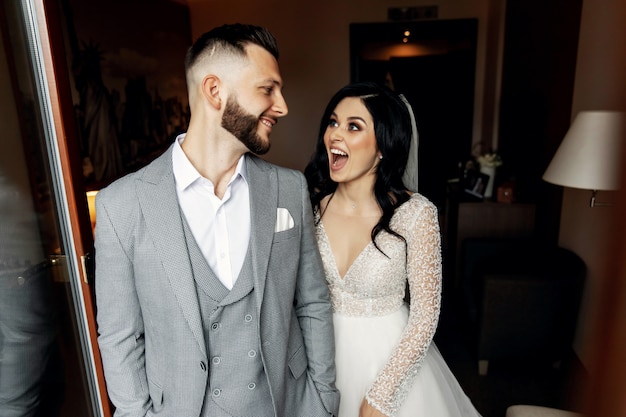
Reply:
x=284, y=221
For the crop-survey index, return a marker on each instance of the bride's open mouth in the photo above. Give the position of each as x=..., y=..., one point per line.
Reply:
x=338, y=158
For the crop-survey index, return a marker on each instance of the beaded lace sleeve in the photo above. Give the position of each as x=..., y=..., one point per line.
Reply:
x=419, y=224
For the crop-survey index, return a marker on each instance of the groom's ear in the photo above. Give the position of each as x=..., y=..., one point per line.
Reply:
x=211, y=89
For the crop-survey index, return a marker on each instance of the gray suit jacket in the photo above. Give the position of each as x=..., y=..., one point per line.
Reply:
x=150, y=329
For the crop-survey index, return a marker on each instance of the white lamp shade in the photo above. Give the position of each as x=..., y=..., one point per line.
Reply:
x=589, y=156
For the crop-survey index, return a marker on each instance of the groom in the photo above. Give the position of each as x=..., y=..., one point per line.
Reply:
x=210, y=290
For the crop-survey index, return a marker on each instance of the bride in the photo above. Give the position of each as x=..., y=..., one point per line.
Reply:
x=375, y=235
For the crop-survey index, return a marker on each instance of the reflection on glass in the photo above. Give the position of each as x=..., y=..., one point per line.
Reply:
x=43, y=368
x=28, y=314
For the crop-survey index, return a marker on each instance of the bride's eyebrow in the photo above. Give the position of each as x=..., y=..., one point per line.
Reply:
x=358, y=118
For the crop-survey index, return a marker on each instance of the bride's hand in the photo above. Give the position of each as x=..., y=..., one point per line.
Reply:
x=368, y=411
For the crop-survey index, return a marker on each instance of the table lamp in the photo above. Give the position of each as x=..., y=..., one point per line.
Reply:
x=589, y=155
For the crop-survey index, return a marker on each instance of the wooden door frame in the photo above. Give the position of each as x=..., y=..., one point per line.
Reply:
x=49, y=24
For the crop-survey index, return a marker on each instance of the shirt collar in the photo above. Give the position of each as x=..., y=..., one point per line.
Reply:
x=186, y=174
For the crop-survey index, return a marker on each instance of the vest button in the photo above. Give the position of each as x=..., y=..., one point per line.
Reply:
x=202, y=366
x=251, y=385
x=217, y=392
x=252, y=353
x=217, y=360
x=248, y=318
x=215, y=326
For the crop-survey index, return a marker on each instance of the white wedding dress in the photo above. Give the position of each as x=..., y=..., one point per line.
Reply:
x=384, y=349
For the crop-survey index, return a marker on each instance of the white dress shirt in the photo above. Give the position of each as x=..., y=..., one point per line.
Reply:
x=221, y=227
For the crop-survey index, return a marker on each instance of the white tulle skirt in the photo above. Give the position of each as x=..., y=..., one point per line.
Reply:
x=363, y=345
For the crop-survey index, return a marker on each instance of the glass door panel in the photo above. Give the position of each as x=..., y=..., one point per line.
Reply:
x=48, y=357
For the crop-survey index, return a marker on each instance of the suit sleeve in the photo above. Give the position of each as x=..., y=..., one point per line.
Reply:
x=120, y=325
x=314, y=311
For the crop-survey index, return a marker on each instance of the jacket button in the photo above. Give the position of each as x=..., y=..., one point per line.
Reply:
x=217, y=360
x=215, y=326
x=251, y=385
x=248, y=318
x=217, y=392
x=252, y=353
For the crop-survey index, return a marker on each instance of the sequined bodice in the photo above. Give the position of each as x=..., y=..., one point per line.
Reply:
x=375, y=285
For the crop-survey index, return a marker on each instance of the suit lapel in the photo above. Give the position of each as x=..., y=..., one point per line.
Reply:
x=156, y=191
x=263, y=186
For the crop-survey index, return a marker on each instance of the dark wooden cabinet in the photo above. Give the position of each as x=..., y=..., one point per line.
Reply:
x=482, y=219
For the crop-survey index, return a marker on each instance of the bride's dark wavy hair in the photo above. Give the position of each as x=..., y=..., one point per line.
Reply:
x=392, y=127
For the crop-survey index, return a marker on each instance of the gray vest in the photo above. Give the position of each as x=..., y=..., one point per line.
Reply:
x=237, y=385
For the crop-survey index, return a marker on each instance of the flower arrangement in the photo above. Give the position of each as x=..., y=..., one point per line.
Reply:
x=490, y=159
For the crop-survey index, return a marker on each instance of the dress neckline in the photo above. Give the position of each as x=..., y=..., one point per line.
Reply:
x=332, y=255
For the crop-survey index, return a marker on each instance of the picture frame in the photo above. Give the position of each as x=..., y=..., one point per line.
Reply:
x=474, y=184
x=128, y=81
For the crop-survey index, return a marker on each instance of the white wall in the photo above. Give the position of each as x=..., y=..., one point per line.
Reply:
x=599, y=85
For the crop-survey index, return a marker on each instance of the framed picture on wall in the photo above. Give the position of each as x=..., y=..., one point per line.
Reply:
x=126, y=64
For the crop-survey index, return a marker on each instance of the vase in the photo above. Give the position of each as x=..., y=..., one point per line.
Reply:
x=491, y=171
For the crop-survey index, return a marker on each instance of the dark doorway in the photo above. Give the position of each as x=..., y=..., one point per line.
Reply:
x=433, y=63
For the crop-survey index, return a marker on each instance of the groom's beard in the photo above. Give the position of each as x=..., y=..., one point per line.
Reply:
x=244, y=127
